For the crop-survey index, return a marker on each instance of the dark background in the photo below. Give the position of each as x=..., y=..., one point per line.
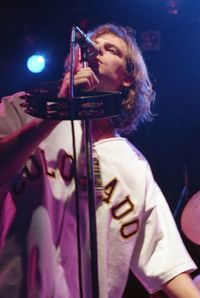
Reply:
x=171, y=141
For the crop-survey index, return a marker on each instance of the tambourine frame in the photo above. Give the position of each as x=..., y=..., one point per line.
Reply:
x=92, y=105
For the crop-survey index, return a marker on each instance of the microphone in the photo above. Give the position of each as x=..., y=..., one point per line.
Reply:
x=85, y=42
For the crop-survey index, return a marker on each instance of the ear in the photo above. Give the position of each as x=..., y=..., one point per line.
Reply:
x=128, y=81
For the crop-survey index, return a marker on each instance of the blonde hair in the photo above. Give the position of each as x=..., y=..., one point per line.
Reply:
x=137, y=100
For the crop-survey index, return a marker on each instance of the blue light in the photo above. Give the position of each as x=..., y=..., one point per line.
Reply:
x=36, y=63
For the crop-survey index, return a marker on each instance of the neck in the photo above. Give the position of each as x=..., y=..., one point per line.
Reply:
x=102, y=129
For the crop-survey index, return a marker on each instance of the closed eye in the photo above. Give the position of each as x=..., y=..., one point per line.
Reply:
x=112, y=49
x=109, y=47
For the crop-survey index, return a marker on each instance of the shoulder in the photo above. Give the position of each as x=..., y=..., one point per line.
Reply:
x=120, y=151
x=117, y=156
x=13, y=99
x=12, y=114
x=9, y=103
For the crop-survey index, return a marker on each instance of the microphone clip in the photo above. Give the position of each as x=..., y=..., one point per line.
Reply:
x=89, y=49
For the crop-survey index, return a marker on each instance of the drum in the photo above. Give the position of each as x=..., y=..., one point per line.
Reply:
x=190, y=219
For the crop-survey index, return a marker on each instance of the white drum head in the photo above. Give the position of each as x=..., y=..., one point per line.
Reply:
x=190, y=219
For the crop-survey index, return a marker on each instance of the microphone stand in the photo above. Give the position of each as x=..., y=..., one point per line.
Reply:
x=183, y=196
x=87, y=125
x=77, y=190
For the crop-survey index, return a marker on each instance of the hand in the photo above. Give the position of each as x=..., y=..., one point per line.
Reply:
x=85, y=78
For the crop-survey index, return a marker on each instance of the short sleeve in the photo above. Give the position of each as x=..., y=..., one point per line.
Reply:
x=159, y=254
x=12, y=118
x=12, y=115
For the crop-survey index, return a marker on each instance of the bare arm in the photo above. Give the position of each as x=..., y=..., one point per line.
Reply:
x=17, y=147
x=181, y=287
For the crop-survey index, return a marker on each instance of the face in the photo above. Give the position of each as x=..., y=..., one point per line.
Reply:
x=110, y=64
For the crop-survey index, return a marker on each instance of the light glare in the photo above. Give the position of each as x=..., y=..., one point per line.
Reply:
x=36, y=63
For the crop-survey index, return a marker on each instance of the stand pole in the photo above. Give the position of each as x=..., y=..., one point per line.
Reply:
x=92, y=209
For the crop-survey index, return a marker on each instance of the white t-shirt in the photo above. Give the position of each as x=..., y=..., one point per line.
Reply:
x=38, y=225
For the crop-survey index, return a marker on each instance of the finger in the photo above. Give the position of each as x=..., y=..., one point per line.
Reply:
x=64, y=89
x=85, y=78
x=90, y=81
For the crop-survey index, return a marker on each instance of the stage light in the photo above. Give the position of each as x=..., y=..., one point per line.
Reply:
x=36, y=63
x=150, y=40
x=173, y=6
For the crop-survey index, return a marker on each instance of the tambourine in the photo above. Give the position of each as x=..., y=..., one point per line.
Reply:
x=43, y=103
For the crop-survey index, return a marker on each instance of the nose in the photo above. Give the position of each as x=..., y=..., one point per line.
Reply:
x=100, y=48
x=93, y=50
x=96, y=49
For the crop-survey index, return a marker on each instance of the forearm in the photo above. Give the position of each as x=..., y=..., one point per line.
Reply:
x=181, y=287
x=17, y=147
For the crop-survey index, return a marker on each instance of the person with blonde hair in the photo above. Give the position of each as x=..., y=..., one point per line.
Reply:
x=38, y=223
